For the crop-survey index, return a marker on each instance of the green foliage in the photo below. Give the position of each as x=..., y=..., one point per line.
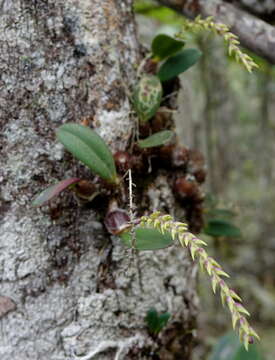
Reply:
x=225, y=214
x=158, y=12
x=88, y=147
x=157, y=139
x=156, y=322
x=147, y=94
x=179, y=63
x=164, y=46
x=229, y=348
x=219, y=221
x=220, y=227
x=53, y=191
x=147, y=239
x=147, y=97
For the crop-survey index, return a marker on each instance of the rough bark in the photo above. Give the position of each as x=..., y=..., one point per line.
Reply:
x=254, y=33
x=64, y=285
x=262, y=8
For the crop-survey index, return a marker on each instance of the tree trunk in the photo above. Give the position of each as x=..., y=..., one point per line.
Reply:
x=64, y=288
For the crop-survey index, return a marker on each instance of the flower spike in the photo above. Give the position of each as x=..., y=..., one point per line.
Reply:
x=229, y=297
x=207, y=24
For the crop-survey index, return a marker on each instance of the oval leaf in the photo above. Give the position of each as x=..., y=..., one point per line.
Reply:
x=221, y=213
x=157, y=139
x=218, y=227
x=147, y=97
x=53, y=191
x=229, y=348
x=179, y=63
x=164, y=46
x=88, y=147
x=148, y=239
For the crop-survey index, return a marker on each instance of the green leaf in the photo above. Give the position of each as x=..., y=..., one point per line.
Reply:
x=164, y=46
x=160, y=13
x=147, y=97
x=53, y=191
x=179, y=63
x=229, y=348
x=218, y=227
x=88, y=147
x=152, y=320
x=163, y=320
x=221, y=213
x=157, y=139
x=156, y=322
x=147, y=239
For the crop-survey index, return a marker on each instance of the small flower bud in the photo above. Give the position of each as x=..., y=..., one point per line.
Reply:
x=122, y=161
x=117, y=221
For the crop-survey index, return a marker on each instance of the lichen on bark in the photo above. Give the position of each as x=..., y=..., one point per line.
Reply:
x=67, y=61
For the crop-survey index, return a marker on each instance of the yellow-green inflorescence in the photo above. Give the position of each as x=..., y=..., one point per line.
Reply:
x=223, y=30
x=179, y=231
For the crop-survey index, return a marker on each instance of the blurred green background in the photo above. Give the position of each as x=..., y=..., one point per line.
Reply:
x=228, y=114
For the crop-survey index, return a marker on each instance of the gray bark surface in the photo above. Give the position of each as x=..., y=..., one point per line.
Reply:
x=65, y=290
x=262, y=8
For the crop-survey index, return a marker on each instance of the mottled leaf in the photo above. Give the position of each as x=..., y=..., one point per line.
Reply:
x=53, y=191
x=157, y=139
x=147, y=97
x=179, y=63
x=164, y=46
x=88, y=147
